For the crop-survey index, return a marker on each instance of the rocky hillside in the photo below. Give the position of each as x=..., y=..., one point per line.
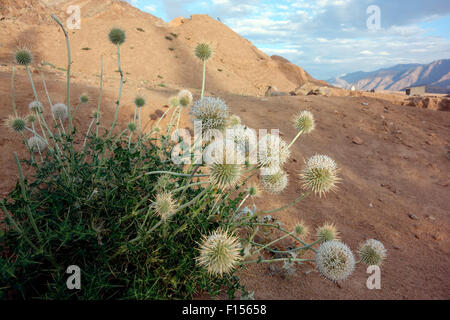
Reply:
x=164, y=51
x=436, y=76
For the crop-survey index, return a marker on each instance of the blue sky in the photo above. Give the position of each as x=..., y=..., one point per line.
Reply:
x=328, y=37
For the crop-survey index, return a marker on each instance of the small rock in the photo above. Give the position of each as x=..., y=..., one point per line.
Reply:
x=358, y=141
x=371, y=205
x=431, y=218
x=364, y=104
x=416, y=236
x=396, y=247
x=436, y=236
x=344, y=125
x=413, y=216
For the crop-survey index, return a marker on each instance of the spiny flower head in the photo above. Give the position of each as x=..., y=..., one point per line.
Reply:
x=203, y=51
x=320, y=174
x=174, y=101
x=35, y=106
x=36, y=144
x=60, y=111
x=335, y=260
x=164, y=205
x=301, y=228
x=139, y=102
x=16, y=123
x=304, y=122
x=219, y=252
x=234, y=120
x=254, y=191
x=84, y=98
x=117, y=36
x=132, y=127
x=185, y=98
x=275, y=183
x=372, y=252
x=272, y=151
x=213, y=112
x=23, y=56
x=31, y=118
x=225, y=175
x=327, y=232
x=95, y=114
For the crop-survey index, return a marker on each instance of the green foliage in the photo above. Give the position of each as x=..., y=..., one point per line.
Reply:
x=95, y=213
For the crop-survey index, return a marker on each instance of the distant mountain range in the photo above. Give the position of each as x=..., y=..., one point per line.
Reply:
x=435, y=76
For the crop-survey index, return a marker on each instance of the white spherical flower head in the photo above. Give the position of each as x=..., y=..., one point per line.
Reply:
x=272, y=151
x=275, y=183
x=212, y=112
x=185, y=98
x=304, y=122
x=219, y=253
x=60, y=111
x=36, y=144
x=35, y=106
x=334, y=260
x=320, y=174
x=164, y=205
x=372, y=252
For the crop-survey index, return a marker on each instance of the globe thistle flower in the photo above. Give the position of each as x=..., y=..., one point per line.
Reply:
x=203, y=51
x=234, y=120
x=60, y=111
x=31, y=118
x=372, y=252
x=174, y=102
x=139, y=102
x=301, y=229
x=35, y=106
x=327, y=232
x=16, y=123
x=219, y=252
x=36, y=144
x=164, y=205
x=84, y=98
x=213, y=112
x=224, y=175
x=95, y=114
x=304, y=122
x=117, y=36
x=254, y=191
x=320, y=174
x=272, y=151
x=334, y=260
x=132, y=127
x=275, y=183
x=23, y=56
x=185, y=98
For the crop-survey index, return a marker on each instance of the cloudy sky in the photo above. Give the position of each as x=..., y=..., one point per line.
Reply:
x=329, y=37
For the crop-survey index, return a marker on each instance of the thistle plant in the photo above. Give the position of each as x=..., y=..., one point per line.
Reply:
x=372, y=252
x=203, y=51
x=157, y=229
